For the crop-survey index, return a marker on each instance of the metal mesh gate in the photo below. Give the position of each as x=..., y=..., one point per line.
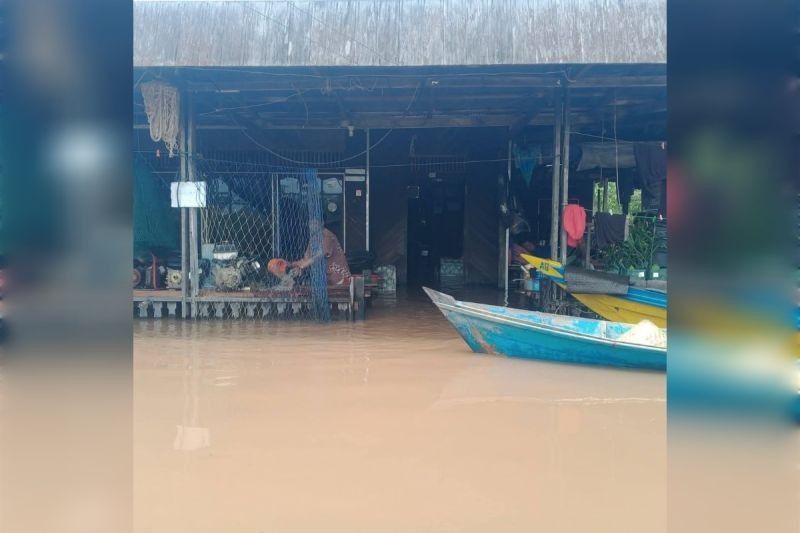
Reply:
x=253, y=231
x=259, y=219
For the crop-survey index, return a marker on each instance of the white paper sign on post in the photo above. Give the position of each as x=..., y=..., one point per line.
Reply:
x=188, y=193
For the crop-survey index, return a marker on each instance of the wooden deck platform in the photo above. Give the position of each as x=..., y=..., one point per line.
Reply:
x=349, y=300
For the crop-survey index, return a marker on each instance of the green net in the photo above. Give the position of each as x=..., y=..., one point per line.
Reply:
x=156, y=225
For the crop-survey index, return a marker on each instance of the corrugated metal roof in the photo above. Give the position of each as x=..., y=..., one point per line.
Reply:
x=398, y=32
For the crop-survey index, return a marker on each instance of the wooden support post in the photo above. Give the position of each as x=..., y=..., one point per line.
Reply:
x=588, y=251
x=554, y=214
x=367, y=191
x=596, y=204
x=358, y=297
x=502, y=194
x=194, y=255
x=184, y=155
x=350, y=311
x=565, y=173
x=508, y=233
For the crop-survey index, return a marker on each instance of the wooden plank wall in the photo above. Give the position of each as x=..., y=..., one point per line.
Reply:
x=389, y=219
x=481, y=223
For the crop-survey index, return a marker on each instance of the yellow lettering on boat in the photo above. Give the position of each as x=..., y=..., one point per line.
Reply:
x=546, y=266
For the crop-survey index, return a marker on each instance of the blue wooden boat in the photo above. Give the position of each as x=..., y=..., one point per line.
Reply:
x=535, y=335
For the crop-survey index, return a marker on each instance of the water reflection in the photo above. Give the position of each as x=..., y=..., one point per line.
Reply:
x=389, y=424
x=190, y=435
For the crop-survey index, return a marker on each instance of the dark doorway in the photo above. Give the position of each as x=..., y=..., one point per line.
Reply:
x=435, y=224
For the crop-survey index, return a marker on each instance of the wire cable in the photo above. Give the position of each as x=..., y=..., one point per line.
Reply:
x=304, y=163
x=327, y=163
x=250, y=106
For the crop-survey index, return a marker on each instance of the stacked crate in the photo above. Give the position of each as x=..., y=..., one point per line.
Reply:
x=451, y=274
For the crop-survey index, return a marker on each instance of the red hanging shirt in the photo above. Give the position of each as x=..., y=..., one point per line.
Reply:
x=574, y=224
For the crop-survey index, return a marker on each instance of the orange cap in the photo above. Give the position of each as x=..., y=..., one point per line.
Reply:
x=277, y=267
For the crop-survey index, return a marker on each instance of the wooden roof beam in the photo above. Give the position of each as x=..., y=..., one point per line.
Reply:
x=270, y=84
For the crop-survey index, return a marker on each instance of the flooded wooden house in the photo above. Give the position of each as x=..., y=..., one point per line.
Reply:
x=429, y=137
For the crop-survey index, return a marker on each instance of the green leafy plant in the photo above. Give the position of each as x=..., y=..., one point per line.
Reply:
x=637, y=252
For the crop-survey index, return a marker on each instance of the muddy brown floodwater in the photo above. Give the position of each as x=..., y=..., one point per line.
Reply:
x=389, y=425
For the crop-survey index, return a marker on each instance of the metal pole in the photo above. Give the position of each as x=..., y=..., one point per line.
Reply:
x=565, y=174
x=184, y=212
x=193, y=224
x=508, y=233
x=554, y=218
x=605, y=195
x=367, y=186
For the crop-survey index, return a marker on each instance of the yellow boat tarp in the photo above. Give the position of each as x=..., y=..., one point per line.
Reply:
x=607, y=306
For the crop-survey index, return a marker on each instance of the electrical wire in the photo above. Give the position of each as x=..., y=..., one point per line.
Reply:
x=328, y=163
x=260, y=145
x=270, y=168
x=250, y=106
x=468, y=162
x=604, y=138
x=308, y=163
x=139, y=80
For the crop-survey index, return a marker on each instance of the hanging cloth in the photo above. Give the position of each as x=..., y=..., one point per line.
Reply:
x=526, y=159
x=574, y=220
x=609, y=229
x=651, y=160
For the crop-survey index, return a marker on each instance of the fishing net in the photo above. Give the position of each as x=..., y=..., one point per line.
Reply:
x=162, y=106
x=255, y=228
x=260, y=222
x=318, y=271
x=156, y=225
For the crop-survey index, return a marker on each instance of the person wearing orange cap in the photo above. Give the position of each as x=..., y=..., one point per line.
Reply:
x=337, y=269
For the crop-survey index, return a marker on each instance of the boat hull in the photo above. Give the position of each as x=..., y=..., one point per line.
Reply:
x=499, y=330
